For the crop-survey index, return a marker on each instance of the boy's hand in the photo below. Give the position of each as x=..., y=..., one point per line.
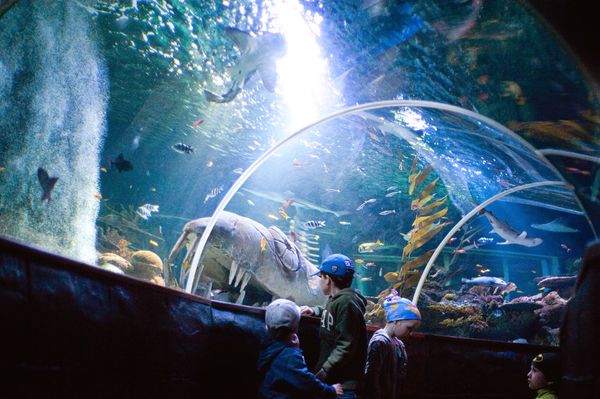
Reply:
x=306, y=311
x=321, y=374
x=294, y=340
x=338, y=389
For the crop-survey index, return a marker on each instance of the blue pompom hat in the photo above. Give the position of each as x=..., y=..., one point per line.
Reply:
x=397, y=308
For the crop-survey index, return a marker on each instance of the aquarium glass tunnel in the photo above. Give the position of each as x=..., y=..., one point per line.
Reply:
x=224, y=148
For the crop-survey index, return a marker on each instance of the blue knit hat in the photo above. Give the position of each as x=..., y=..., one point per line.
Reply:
x=397, y=308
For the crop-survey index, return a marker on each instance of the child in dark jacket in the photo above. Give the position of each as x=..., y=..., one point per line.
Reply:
x=386, y=359
x=281, y=364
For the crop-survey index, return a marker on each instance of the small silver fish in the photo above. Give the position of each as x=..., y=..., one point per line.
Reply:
x=314, y=224
x=183, y=148
x=485, y=240
x=383, y=213
x=145, y=211
x=213, y=193
x=392, y=188
x=391, y=194
x=369, y=201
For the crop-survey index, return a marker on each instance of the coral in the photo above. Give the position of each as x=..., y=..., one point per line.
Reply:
x=454, y=309
x=146, y=261
x=147, y=266
x=110, y=240
x=552, y=311
x=109, y=258
x=449, y=296
x=473, y=323
x=375, y=314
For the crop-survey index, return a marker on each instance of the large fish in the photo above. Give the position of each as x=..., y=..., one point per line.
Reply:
x=236, y=256
x=258, y=53
x=491, y=281
x=508, y=233
x=555, y=226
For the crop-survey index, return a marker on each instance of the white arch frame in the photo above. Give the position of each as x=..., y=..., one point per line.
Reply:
x=468, y=217
x=191, y=279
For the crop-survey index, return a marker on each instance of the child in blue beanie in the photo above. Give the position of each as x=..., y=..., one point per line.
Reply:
x=387, y=360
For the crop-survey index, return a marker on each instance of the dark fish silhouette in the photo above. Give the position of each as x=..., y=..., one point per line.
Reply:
x=122, y=164
x=46, y=182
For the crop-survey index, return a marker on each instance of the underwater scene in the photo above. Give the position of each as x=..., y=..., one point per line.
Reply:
x=450, y=148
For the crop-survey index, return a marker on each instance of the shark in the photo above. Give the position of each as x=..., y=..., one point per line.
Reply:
x=555, y=226
x=258, y=53
x=508, y=233
x=298, y=202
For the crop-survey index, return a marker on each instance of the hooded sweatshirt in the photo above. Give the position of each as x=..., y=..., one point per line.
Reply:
x=285, y=375
x=343, y=336
x=386, y=366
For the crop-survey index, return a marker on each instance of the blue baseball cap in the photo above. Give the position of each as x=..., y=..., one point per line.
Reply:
x=336, y=265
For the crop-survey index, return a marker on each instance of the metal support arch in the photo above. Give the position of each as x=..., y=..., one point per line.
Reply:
x=192, y=280
x=468, y=217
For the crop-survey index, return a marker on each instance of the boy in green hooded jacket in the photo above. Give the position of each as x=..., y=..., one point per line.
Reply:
x=343, y=330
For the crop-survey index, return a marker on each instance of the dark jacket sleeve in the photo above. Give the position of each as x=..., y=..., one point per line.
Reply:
x=373, y=370
x=346, y=329
x=318, y=310
x=302, y=380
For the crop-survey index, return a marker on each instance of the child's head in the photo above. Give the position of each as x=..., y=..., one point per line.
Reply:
x=545, y=370
x=282, y=318
x=336, y=270
x=403, y=316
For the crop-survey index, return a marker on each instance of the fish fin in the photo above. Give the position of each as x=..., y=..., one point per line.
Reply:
x=240, y=38
x=43, y=177
x=523, y=234
x=268, y=75
x=504, y=243
x=213, y=97
x=492, y=231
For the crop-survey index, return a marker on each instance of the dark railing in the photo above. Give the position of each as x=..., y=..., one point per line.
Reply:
x=74, y=330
